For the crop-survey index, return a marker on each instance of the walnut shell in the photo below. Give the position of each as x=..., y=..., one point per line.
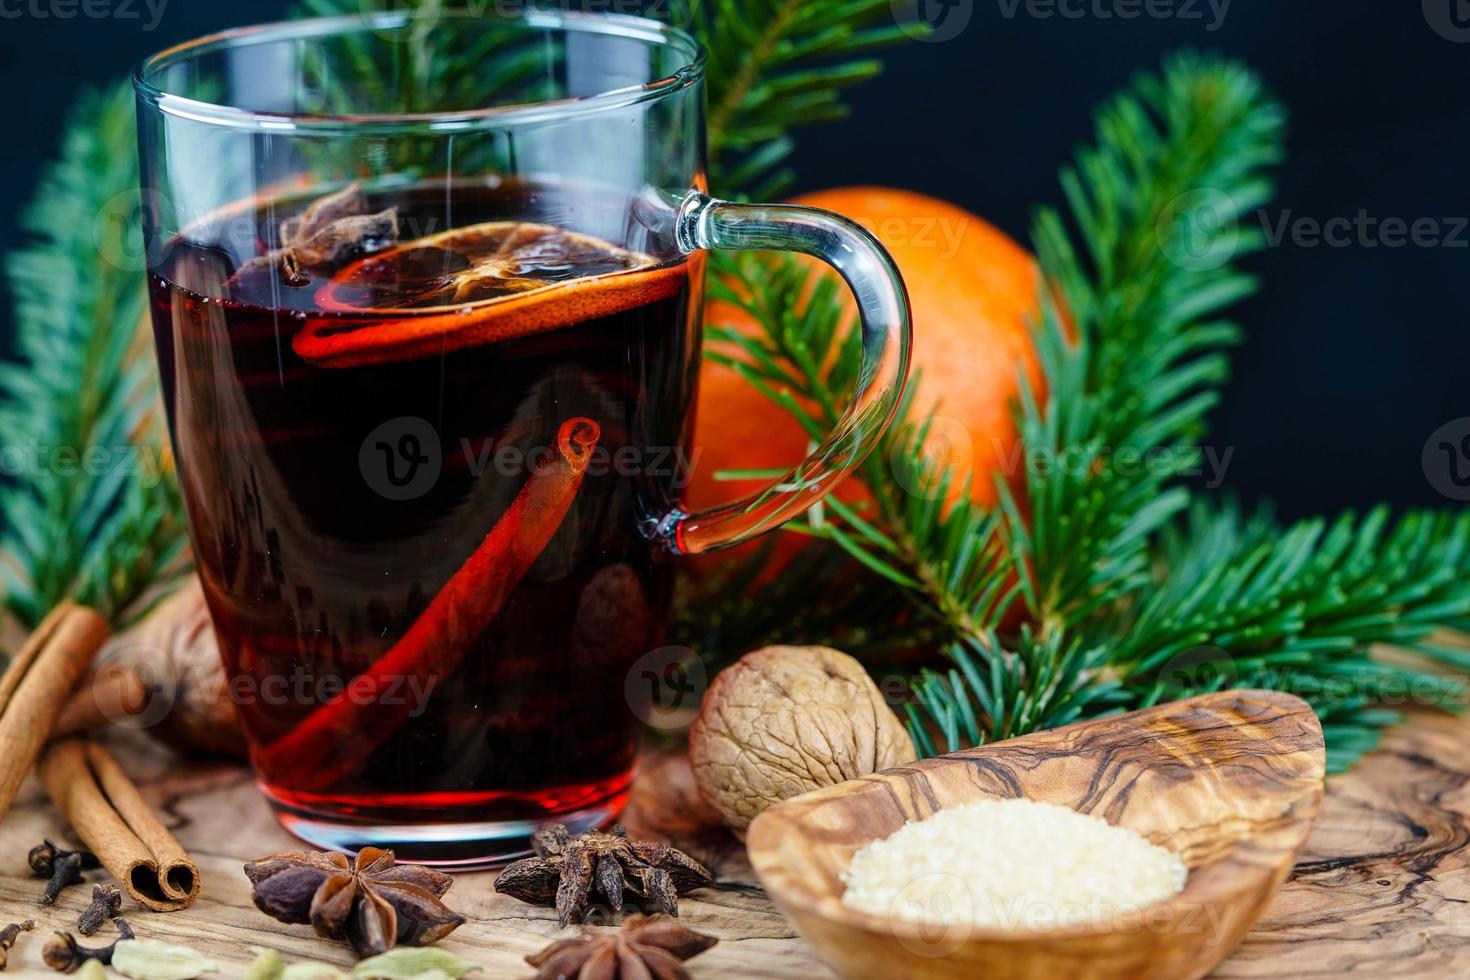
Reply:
x=785, y=720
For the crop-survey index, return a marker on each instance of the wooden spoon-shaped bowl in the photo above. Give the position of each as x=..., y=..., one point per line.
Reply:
x=1230, y=781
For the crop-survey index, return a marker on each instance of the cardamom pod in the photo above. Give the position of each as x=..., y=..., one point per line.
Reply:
x=267, y=965
x=311, y=970
x=91, y=970
x=413, y=963
x=149, y=959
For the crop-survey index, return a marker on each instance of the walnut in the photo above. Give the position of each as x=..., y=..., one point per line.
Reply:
x=785, y=720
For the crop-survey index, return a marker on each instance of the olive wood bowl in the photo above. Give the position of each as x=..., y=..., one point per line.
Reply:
x=1229, y=781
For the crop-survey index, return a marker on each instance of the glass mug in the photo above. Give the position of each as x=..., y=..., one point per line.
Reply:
x=426, y=297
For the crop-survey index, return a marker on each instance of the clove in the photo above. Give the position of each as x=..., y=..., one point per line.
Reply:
x=60, y=866
x=106, y=904
x=65, y=954
x=44, y=855
x=8, y=936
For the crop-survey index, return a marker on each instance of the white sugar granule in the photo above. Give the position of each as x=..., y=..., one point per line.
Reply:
x=1011, y=864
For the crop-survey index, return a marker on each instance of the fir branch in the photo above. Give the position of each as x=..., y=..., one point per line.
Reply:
x=917, y=531
x=1236, y=603
x=1134, y=605
x=1246, y=603
x=1329, y=587
x=773, y=65
x=991, y=693
x=818, y=596
x=424, y=71
x=1175, y=151
x=95, y=513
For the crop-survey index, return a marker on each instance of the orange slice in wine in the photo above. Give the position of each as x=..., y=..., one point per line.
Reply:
x=476, y=285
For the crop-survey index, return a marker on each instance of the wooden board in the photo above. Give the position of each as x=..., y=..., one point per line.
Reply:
x=1381, y=889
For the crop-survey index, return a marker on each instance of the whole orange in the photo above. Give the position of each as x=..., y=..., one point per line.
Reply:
x=973, y=291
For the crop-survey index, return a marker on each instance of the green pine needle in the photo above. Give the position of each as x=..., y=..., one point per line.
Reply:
x=774, y=65
x=1132, y=346
x=1136, y=603
x=93, y=512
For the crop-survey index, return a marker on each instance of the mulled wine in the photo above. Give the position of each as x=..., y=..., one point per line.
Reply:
x=423, y=433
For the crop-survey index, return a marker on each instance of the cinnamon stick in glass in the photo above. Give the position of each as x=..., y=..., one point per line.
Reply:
x=333, y=741
x=111, y=817
x=38, y=683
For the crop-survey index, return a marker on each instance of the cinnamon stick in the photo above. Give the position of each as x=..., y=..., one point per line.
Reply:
x=37, y=683
x=333, y=741
x=111, y=817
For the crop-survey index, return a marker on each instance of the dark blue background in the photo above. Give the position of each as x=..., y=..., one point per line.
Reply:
x=1354, y=354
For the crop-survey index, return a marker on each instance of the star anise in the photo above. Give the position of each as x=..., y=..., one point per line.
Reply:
x=565, y=870
x=373, y=903
x=332, y=231
x=644, y=947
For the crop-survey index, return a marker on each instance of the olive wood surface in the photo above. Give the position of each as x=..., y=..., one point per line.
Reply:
x=1380, y=888
x=1231, y=782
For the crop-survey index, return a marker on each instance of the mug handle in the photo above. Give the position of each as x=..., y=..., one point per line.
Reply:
x=883, y=309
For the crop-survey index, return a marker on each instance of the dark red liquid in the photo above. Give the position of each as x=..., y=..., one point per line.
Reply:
x=321, y=534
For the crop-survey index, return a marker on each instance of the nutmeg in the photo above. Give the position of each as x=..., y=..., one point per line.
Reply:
x=785, y=720
x=164, y=675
